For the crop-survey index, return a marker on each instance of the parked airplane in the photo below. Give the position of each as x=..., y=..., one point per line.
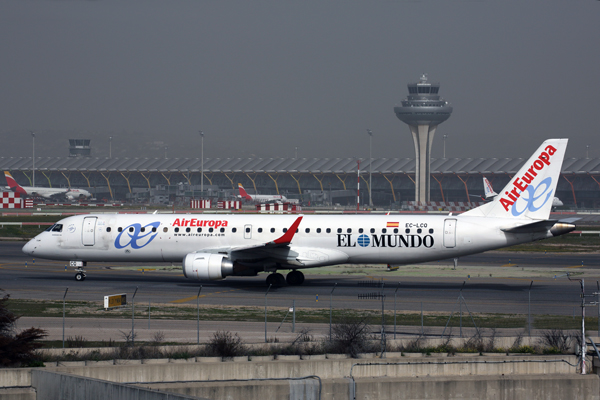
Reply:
x=489, y=192
x=213, y=247
x=69, y=193
x=260, y=198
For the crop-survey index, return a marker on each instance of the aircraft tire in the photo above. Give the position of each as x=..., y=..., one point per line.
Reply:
x=276, y=280
x=79, y=277
x=295, y=278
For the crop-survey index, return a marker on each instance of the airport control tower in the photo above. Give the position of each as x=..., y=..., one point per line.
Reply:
x=423, y=110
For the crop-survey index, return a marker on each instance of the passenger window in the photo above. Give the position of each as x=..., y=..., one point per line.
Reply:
x=284, y=230
x=272, y=230
x=407, y=231
x=176, y=229
x=372, y=230
x=395, y=230
x=339, y=230
x=108, y=229
x=259, y=230
x=186, y=229
x=210, y=229
x=153, y=229
x=384, y=230
x=419, y=230
x=431, y=231
x=234, y=230
x=328, y=230
x=307, y=230
x=360, y=230
x=222, y=229
x=198, y=230
x=247, y=230
x=120, y=229
x=349, y=230
x=131, y=229
x=165, y=229
x=318, y=230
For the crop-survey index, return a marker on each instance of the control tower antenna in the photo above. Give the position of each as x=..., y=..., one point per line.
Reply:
x=423, y=110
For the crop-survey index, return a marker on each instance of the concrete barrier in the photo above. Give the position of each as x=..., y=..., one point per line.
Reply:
x=55, y=386
x=549, y=387
x=17, y=394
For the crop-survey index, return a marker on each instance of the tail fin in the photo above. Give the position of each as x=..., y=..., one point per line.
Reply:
x=12, y=184
x=530, y=192
x=487, y=187
x=243, y=192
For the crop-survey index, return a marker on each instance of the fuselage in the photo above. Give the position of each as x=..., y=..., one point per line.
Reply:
x=320, y=239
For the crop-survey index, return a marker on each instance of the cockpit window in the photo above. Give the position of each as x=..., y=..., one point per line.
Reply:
x=57, y=228
x=50, y=228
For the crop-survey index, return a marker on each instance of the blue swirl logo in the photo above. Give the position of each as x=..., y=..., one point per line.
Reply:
x=136, y=238
x=533, y=198
x=363, y=240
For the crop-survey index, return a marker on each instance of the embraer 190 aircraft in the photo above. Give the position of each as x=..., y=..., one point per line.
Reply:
x=69, y=193
x=213, y=247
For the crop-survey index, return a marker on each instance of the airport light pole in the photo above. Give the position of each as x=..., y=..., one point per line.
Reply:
x=269, y=288
x=198, y=305
x=166, y=147
x=296, y=153
x=587, y=151
x=132, y=316
x=331, y=309
x=370, y=166
x=202, y=163
x=110, y=147
x=33, y=159
x=64, y=316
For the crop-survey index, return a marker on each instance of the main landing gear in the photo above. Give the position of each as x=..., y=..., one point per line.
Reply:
x=80, y=272
x=293, y=278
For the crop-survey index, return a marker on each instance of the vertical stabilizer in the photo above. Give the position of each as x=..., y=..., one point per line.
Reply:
x=243, y=192
x=487, y=187
x=12, y=184
x=530, y=193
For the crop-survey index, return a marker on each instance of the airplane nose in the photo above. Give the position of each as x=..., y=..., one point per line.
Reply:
x=29, y=247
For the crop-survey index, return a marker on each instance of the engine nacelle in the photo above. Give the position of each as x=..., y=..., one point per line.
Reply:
x=207, y=266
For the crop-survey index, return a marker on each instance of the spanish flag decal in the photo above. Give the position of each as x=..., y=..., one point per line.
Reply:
x=393, y=224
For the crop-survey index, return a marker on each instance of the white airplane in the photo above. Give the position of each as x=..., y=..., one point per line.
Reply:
x=212, y=247
x=489, y=192
x=69, y=193
x=260, y=198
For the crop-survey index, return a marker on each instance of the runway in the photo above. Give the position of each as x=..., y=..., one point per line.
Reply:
x=433, y=287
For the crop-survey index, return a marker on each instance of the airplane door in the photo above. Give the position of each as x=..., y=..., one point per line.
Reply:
x=449, y=233
x=88, y=235
x=247, y=231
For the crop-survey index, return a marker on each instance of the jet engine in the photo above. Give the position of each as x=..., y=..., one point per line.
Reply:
x=207, y=266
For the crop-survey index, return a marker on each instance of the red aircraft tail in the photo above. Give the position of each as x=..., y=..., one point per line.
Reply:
x=243, y=193
x=12, y=184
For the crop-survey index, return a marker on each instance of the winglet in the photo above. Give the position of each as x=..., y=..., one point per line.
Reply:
x=289, y=234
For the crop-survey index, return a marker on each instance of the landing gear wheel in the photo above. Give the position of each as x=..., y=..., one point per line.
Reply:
x=80, y=276
x=295, y=278
x=276, y=280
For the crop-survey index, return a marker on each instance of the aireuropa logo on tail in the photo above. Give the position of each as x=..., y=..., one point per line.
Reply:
x=534, y=197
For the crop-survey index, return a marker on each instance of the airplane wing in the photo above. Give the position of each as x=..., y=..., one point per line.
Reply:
x=277, y=249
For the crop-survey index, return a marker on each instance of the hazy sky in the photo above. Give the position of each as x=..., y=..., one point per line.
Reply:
x=262, y=77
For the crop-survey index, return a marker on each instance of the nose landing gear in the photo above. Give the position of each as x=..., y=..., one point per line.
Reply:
x=80, y=272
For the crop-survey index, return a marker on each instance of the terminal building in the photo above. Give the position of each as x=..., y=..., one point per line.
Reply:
x=314, y=181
